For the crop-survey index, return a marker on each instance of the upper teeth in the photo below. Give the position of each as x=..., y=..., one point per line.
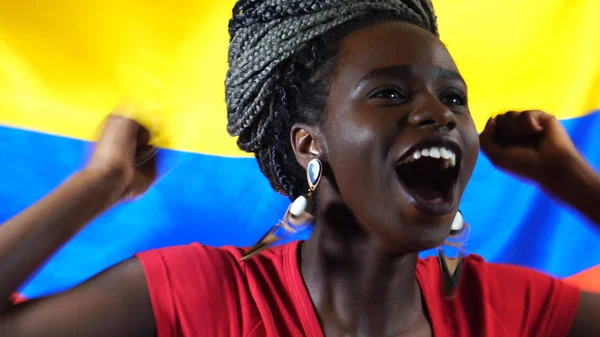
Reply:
x=445, y=154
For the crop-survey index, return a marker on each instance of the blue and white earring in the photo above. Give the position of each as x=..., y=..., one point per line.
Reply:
x=297, y=218
x=451, y=255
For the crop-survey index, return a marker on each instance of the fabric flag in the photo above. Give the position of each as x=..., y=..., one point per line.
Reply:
x=64, y=64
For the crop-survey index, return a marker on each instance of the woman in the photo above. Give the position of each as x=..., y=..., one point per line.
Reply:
x=368, y=90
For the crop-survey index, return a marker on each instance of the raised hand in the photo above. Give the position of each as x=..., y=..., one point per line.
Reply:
x=123, y=153
x=531, y=144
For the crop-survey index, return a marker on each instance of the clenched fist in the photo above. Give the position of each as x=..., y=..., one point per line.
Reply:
x=530, y=144
x=123, y=154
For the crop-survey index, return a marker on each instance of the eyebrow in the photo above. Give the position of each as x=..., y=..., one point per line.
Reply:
x=403, y=71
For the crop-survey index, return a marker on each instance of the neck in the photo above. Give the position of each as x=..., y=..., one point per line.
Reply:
x=356, y=287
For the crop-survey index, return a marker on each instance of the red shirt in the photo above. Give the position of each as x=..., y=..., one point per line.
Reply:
x=204, y=291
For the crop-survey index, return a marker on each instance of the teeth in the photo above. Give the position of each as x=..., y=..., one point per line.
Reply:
x=444, y=153
x=448, y=157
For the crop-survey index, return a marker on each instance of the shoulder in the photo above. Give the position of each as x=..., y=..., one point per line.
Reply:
x=500, y=279
x=542, y=304
x=190, y=259
x=222, y=263
x=187, y=282
x=198, y=266
x=512, y=283
x=522, y=301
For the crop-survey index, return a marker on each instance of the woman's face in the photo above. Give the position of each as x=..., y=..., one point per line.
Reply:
x=400, y=140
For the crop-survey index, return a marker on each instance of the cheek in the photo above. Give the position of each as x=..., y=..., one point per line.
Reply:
x=355, y=153
x=357, y=161
x=352, y=150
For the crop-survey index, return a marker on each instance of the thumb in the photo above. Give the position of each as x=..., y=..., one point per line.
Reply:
x=540, y=121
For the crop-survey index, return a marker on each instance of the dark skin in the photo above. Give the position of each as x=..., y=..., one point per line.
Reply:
x=385, y=98
x=370, y=122
x=359, y=142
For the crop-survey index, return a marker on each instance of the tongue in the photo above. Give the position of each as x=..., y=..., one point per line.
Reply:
x=429, y=193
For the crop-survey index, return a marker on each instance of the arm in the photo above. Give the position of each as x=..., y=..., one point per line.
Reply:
x=535, y=146
x=578, y=186
x=587, y=322
x=30, y=238
x=115, y=303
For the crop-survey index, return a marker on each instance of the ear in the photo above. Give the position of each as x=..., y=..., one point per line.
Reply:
x=306, y=142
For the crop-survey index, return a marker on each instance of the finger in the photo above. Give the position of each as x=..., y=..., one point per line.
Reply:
x=531, y=120
x=143, y=136
x=147, y=173
x=487, y=139
x=144, y=154
x=545, y=120
x=505, y=158
x=519, y=128
x=507, y=119
x=506, y=128
x=551, y=122
x=145, y=177
x=489, y=125
x=488, y=133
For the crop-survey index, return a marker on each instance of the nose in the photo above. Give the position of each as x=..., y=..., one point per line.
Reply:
x=433, y=113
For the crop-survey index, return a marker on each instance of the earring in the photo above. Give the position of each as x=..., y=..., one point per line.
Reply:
x=451, y=254
x=297, y=217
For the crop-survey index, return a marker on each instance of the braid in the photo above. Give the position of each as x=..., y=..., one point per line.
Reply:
x=281, y=54
x=291, y=106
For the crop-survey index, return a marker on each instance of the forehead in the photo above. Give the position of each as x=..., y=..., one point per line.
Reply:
x=392, y=43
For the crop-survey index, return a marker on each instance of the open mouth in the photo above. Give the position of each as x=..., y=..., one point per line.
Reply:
x=429, y=171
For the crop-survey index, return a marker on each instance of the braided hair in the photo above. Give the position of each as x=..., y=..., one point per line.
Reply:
x=281, y=55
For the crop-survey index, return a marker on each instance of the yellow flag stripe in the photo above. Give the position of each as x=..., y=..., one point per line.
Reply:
x=64, y=64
